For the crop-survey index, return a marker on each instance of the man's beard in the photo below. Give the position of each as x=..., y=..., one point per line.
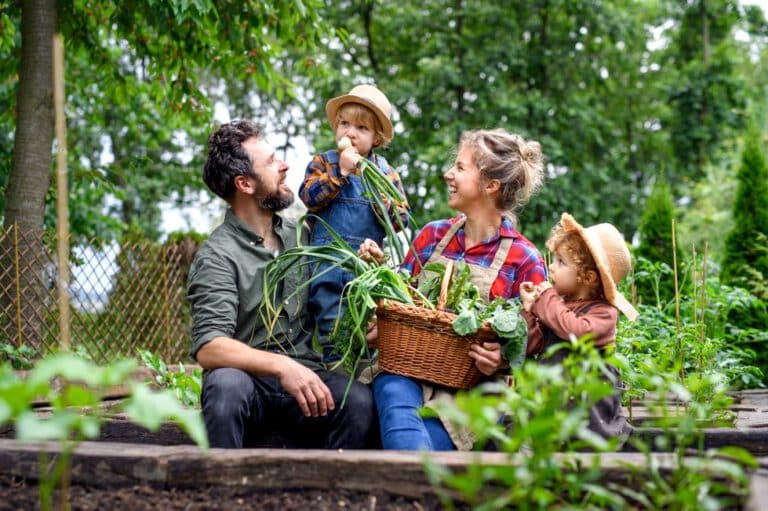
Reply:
x=275, y=201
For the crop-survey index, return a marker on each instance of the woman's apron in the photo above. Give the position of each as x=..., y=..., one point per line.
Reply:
x=483, y=278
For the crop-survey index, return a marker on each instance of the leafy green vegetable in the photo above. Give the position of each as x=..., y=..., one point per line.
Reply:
x=504, y=317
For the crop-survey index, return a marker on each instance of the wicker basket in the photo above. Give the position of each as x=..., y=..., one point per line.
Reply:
x=420, y=343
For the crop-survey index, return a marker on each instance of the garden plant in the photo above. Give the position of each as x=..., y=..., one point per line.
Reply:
x=74, y=388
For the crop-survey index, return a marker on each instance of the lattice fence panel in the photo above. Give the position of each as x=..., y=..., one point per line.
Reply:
x=123, y=296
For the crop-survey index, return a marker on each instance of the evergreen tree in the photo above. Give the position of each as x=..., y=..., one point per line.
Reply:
x=655, y=247
x=745, y=260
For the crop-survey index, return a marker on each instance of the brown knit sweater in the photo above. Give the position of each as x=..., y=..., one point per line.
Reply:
x=551, y=311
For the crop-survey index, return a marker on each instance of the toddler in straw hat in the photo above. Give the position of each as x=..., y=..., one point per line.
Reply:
x=581, y=299
x=333, y=190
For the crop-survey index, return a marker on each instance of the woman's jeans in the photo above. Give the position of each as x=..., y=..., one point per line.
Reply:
x=239, y=409
x=398, y=399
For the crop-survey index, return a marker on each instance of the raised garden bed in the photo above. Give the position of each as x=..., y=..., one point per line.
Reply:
x=135, y=476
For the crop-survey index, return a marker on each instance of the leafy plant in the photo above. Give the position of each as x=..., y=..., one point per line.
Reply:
x=19, y=357
x=700, y=341
x=186, y=386
x=372, y=282
x=696, y=478
x=546, y=411
x=74, y=387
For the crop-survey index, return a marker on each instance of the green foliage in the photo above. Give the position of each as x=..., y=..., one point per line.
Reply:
x=186, y=386
x=745, y=262
x=74, y=387
x=707, y=95
x=707, y=342
x=142, y=82
x=696, y=478
x=546, y=412
x=656, y=245
x=19, y=357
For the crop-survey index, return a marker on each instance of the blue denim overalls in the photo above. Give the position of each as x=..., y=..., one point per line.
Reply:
x=352, y=216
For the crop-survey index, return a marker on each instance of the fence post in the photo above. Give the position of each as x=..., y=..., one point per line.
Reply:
x=17, y=265
x=62, y=193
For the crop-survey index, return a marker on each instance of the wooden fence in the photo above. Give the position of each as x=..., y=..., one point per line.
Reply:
x=123, y=296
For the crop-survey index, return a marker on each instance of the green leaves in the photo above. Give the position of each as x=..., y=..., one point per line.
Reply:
x=150, y=409
x=185, y=386
x=74, y=388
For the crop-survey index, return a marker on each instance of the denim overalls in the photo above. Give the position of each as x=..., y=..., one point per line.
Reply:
x=352, y=216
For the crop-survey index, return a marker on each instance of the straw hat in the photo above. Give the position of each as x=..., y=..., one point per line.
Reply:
x=368, y=96
x=611, y=255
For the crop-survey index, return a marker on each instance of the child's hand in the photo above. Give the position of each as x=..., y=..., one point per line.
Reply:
x=542, y=286
x=528, y=295
x=387, y=202
x=369, y=251
x=348, y=160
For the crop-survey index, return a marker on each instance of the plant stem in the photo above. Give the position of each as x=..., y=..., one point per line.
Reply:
x=677, y=305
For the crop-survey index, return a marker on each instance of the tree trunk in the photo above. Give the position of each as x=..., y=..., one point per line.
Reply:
x=30, y=175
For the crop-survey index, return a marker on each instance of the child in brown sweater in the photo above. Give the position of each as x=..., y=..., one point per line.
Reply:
x=581, y=299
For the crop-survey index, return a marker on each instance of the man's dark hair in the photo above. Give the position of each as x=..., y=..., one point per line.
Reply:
x=226, y=157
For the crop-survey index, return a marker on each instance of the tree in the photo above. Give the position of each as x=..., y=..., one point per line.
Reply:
x=706, y=94
x=141, y=81
x=657, y=247
x=574, y=75
x=745, y=262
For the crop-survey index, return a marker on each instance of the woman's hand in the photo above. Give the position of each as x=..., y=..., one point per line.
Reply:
x=373, y=334
x=487, y=357
x=370, y=251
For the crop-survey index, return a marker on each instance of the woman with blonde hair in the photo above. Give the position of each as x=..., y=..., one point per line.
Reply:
x=493, y=177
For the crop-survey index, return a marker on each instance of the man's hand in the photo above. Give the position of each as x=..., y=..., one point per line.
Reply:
x=487, y=357
x=306, y=387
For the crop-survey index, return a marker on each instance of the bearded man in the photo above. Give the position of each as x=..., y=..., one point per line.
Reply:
x=258, y=379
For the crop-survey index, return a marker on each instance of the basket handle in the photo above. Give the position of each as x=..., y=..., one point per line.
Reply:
x=444, y=286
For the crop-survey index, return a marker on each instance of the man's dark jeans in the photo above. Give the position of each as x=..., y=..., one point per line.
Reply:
x=239, y=408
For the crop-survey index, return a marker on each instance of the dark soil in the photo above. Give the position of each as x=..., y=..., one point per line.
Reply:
x=18, y=494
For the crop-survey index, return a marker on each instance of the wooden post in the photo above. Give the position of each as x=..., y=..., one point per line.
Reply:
x=62, y=191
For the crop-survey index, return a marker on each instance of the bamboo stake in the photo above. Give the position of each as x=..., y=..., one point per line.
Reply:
x=677, y=304
x=703, y=304
x=62, y=191
x=693, y=283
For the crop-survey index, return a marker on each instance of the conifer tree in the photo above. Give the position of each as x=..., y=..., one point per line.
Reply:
x=656, y=246
x=745, y=261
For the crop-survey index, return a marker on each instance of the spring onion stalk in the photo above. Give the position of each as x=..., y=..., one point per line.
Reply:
x=373, y=282
x=378, y=188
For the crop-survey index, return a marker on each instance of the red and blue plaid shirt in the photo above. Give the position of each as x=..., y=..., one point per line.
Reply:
x=524, y=262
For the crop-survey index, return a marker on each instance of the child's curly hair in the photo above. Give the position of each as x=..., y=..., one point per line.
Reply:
x=576, y=250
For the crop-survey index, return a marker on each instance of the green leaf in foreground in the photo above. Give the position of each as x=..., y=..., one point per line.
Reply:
x=150, y=409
